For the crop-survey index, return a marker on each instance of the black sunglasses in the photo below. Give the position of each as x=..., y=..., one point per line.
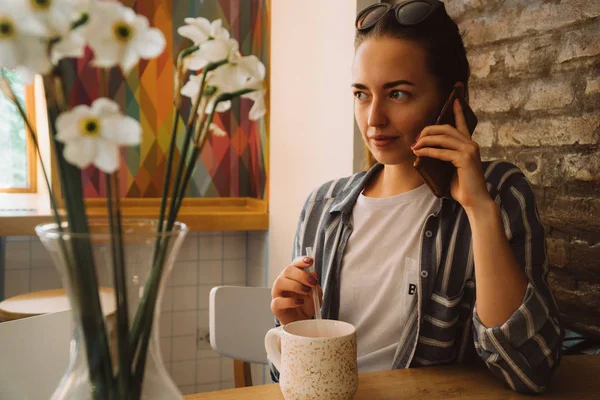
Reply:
x=407, y=13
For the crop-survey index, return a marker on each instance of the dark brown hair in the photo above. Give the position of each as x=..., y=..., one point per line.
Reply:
x=441, y=39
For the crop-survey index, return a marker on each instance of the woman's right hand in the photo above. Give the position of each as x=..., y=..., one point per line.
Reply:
x=292, y=292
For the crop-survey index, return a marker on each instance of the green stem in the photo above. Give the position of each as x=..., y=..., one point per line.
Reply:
x=85, y=285
x=118, y=260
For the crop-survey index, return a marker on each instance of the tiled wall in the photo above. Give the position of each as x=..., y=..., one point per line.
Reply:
x=206, y=259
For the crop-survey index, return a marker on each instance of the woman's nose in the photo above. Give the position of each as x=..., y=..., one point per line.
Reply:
x=377, y=115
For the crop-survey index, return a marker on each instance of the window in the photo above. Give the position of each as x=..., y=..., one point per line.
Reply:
x=17, y=153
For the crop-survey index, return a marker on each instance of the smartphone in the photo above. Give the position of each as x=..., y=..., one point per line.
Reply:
x=438, y=174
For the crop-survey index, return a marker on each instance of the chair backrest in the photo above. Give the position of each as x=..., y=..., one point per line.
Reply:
x=239, y=320
x=34, y=354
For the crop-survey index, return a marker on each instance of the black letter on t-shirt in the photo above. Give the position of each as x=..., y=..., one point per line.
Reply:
x=411, y=289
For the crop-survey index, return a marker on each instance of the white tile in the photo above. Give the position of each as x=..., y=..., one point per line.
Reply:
x=257, y=250
x=210, y=233
x=226, y=368
x=188, y=389
x=210, y=272
x=234, y=247
x=16, y=282
x=40, y=257
x=17, y=255
x=234, y=272
x=185, y=298
x=208, y=387
x=184, y=323
x=184, y=372
x=211, y=247
x=256, y=277
x=203, y=319
x=167, y=300
x=258, y=376
x=184, y=348
x=225, y=385
x=203, y=354
x=165, y=324
x=204, y=296
x=208, y=370
x=189, y=250
x=18, y=238
x=165, y=349
x=45, y=279
x=185, y=273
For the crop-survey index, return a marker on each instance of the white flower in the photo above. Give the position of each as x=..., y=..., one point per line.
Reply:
x=241, y=73
x=192, y=89
x=120, y=37
x=92, y=135
x=22, y=44
x=216, y=130
x=199, y=30
x=259, y=109
x=71, y=45
x=56, y=15
x=214, y=51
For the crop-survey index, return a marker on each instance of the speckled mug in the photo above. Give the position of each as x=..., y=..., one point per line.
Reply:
x=315, y=362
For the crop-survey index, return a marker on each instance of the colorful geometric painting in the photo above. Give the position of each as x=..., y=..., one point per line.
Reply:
x=232, y=166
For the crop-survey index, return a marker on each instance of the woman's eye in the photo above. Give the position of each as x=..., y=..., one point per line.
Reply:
x=398, y=95
x=360, y=95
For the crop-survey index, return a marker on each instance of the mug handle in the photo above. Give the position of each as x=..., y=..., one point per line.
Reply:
x=273, y=352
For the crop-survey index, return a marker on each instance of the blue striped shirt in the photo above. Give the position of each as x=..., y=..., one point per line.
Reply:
x=443, y=325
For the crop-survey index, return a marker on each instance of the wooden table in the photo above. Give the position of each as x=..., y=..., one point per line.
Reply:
x=578, y=377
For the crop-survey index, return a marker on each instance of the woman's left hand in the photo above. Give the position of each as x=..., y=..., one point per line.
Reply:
x=468, y=185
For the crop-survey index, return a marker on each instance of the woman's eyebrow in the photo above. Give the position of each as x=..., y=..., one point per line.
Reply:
x=386, y=85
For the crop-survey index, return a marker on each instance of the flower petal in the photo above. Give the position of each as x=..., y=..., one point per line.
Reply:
x=103, y=108
x=81, y=152
x=217, y=130
x=193, y=33
x=124, y=131
x=191, y=88
x=216, y=50
x=151, y=43
x=67, y=123
x=251, y=66
x=107, y=156
x=198, y=61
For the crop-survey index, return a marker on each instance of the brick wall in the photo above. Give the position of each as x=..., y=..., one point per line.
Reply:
x=535, y=87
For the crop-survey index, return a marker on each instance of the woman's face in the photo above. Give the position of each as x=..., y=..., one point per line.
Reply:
x=395, y=97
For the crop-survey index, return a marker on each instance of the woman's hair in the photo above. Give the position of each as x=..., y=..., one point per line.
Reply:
x=443, y=44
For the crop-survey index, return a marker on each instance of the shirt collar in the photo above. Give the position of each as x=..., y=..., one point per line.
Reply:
x=345, y=201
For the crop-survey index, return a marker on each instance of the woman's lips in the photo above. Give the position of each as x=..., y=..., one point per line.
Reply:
x=383, y=141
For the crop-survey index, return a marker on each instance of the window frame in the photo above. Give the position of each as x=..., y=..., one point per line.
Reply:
x=32, y=186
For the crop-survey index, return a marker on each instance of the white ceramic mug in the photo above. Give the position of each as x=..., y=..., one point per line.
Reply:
x=317, y=359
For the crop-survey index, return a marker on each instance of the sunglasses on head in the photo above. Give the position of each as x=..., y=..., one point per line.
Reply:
x=407, y=13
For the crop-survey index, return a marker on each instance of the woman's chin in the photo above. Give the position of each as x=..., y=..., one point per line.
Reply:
x=393, y=158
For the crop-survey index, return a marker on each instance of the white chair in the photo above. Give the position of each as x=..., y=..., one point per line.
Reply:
x=239, y=320
x=34, y=354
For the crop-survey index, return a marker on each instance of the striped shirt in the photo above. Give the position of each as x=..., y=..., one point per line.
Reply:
x=443, y=325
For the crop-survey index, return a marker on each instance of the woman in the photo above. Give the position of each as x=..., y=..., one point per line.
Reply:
x=402, y=265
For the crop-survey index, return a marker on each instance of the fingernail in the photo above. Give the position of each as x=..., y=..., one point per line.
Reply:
x=305, y=288
x=299, y=301
x=312, y=280
x=307, y=260
x=412, y=146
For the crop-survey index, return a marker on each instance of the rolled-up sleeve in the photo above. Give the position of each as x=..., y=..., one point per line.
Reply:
x=525, y=350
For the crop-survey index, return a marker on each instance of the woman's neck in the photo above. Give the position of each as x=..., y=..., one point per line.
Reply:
x=393, y=180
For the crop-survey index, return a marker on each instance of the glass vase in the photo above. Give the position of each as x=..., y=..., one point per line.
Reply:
x=148, y=258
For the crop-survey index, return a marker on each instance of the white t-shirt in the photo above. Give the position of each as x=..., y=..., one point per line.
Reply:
x=380, y=270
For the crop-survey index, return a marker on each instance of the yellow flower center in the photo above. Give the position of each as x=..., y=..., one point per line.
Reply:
x=7, y=29
x=41, y=4
x=90, y=127
x=123, y=31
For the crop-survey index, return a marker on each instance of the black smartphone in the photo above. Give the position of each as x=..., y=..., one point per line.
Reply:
x=438, y=174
